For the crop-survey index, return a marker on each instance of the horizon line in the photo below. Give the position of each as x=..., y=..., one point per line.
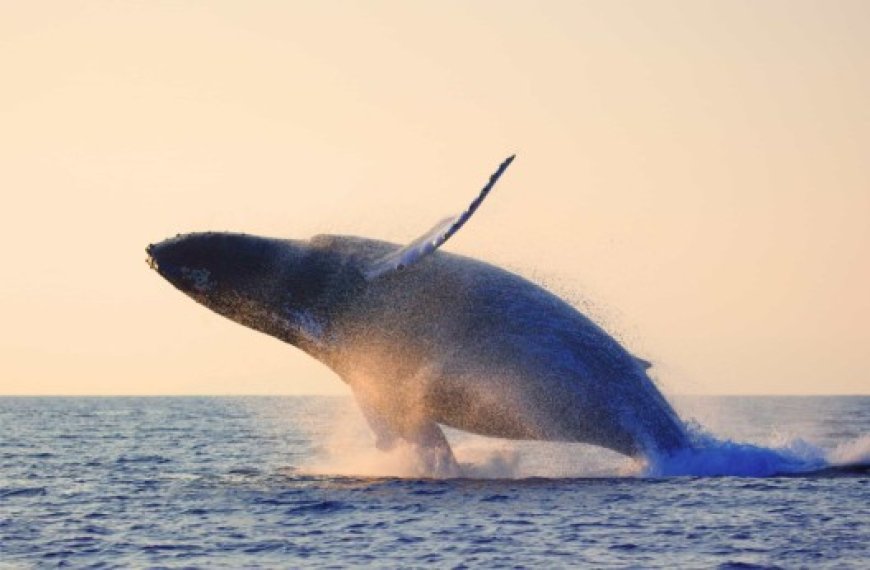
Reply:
x=303, y=395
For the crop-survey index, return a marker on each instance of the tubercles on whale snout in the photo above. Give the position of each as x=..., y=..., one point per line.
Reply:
x=151, y=260
x=186, y=261
x=211, y=262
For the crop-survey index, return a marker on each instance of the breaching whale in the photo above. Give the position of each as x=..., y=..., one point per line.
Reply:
x=426, y=338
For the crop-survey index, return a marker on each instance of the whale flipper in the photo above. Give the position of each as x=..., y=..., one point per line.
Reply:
x=433, y=239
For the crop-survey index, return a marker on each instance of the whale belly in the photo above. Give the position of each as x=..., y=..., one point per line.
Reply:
x=525, y=395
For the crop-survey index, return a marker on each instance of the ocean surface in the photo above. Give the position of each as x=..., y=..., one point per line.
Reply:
x=287, y=482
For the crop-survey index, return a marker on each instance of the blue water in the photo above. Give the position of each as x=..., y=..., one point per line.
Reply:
x=281, y=482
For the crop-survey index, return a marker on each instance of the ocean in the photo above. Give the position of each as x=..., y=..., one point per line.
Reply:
x=288, y=482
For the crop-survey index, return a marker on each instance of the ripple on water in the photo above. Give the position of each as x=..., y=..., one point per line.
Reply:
x=320, y=508
x=13, y=492
x=220, y=482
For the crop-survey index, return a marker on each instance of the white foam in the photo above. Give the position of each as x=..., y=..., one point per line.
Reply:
x=854, y=452
x=712, y=456
x=350, y=451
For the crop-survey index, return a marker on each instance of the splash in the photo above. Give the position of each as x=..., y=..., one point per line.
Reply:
x=478, y=458
x=855, y=452
x=348, y=450
x=345, y=447
x=710, y=456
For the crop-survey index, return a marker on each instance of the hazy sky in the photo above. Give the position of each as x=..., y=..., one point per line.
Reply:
x=693, y=174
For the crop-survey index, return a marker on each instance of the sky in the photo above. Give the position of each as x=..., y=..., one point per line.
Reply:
x=693, y=175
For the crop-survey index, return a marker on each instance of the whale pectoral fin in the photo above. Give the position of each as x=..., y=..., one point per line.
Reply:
x=435, y=237
x=413, y=252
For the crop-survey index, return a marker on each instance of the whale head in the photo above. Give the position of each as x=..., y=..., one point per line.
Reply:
x=209, y=266
x=284, y=288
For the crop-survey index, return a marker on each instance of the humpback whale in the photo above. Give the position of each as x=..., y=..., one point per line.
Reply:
x=426, y=338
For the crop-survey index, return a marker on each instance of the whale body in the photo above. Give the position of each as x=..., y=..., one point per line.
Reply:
x=426, y=338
